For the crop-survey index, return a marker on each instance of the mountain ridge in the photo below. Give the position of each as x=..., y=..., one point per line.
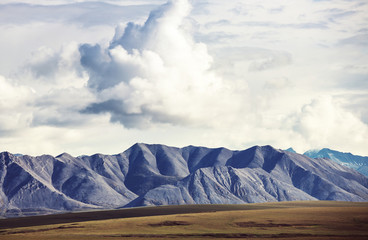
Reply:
x=155, y=174
x=358, y=163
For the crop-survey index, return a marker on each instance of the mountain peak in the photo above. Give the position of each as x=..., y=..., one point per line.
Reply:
x=6, y=157
x=358, y=163
x=64, y=156
x=290, y=150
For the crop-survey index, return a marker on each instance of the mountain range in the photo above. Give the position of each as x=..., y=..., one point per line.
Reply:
x=145, y=175
x=358, y=163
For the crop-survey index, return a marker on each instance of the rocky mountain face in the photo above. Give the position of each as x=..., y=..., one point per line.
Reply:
x=161, y=175
x=355, y=162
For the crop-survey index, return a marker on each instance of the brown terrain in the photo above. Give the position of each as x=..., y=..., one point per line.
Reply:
x=283, y=220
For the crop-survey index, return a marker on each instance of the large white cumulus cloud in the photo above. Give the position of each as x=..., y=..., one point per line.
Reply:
x=232, y=74
x=155, y=73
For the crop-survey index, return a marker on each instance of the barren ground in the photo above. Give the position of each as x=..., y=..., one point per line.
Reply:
x=285, y=220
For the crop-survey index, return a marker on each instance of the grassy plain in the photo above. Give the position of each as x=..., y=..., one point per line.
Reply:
x=284, y=220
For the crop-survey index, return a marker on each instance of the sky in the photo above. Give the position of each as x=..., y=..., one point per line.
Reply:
x=88, y=77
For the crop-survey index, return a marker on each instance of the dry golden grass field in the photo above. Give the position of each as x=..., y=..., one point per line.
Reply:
x=284, y=220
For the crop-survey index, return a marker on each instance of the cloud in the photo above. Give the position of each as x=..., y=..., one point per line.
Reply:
x=221, y=22
x=14, y=105
x=324, y=122
x=276, y=84
x=356, y=102
x=154, y=73
x=360, y=39
x=273, y=60
x=60, y=107
x=250, y=59
x=340, y=13
x=304, y=25
x=52, y=67
x=214, y=37
x=86, y=14
x=47, y=71
x=53, y=88
x=201, y=75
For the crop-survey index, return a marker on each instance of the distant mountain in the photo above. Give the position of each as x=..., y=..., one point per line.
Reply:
x=355, y=162
x=291, y=150
x=160, y=175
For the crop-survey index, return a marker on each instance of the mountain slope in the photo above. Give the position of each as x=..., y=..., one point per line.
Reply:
x=160, y=175
x=355, y=162
x=219, y=185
